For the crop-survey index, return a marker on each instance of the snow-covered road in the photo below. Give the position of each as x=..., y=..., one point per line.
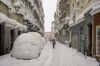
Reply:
x=60, y=56
x=65, y=56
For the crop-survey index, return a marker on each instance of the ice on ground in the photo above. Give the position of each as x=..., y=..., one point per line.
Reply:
x=27, y=46
x=60, y=56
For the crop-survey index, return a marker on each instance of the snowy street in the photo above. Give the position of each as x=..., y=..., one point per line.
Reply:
x=49, y=32
x=60, y=56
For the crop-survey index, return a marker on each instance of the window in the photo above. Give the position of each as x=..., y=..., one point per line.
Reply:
x=81, y=1
x=98, y=40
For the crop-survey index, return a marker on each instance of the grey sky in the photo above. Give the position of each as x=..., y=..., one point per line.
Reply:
x=49, y=7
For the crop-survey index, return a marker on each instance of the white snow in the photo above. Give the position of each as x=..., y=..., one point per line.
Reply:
x=17, y=3
x=25, y=11
x=27, y=46
x=43, y=42
x=60, y=56
x=95, y=8
x=14, y=23
x=32, y=2
x=65, y=56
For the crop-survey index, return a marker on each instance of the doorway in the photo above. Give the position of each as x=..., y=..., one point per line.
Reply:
x=1, y=38
x=89, y=52
x=12, y=34
x=81, y=40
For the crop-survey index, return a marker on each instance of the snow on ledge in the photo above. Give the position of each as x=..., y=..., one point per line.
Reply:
x=95, y=8
x=12, y=22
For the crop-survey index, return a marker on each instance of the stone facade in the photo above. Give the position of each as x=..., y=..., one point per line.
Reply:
x=79, y=22
x=86, y=13
x=17, y=17
x=61, y=16
x=48, y=35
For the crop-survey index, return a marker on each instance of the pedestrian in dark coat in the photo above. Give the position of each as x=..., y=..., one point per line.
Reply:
x=53, y=43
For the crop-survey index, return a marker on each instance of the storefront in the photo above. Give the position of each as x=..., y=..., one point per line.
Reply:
x=77, y=37
x=4, y=39
x=88, y=32
x=96, y=34
x=8, y=32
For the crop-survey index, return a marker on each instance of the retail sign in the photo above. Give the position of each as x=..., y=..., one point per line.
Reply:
x=98, y=41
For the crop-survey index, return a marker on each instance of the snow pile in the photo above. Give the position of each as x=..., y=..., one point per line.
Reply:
x=43, y=42
x=45, y=59
x=27, y=46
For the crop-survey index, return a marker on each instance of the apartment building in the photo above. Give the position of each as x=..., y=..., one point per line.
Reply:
x=85, y=15
x=17, y=17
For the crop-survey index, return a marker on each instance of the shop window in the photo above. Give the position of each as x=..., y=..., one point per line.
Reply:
x=98, y=41
x=0, y=37
x=81, y=1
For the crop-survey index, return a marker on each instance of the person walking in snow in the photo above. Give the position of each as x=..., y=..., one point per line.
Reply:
x=53, y=43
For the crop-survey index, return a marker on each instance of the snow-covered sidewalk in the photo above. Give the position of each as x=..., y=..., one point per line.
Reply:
x=65, y=56
x=60, y=56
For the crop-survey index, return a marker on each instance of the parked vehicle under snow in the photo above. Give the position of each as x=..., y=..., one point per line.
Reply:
x=27, y=46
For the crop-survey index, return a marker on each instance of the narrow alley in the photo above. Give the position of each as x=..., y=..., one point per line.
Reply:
x=49, y=32
x=60, y=56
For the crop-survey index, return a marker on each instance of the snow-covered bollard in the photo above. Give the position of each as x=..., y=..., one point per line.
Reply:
x=27, y=46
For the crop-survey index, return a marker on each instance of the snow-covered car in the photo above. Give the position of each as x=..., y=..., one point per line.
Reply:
x=27, y=46
x=44, y=59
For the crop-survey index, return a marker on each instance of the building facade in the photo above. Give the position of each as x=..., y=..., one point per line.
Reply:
x=48, y=36
x=52, y=28
x=85, y=15
x=16, y=17
x=61, y=16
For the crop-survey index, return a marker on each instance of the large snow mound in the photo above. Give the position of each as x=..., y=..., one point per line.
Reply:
x=27, y=46
x=43, y=42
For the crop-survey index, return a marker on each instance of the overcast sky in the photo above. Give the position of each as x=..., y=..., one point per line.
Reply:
x=49, y=7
